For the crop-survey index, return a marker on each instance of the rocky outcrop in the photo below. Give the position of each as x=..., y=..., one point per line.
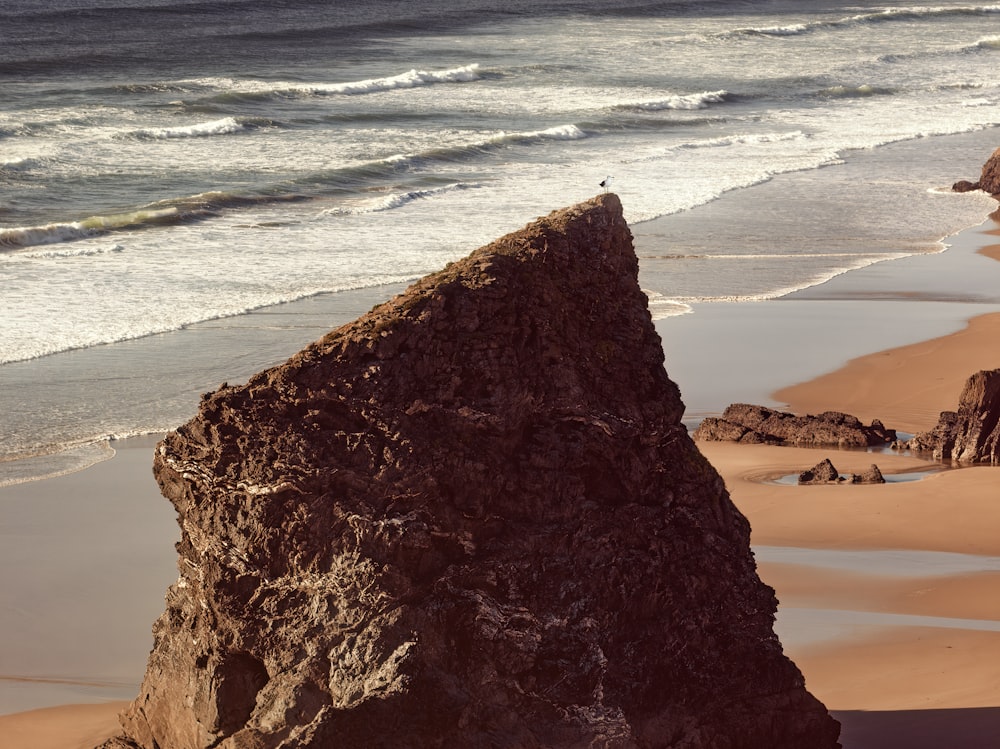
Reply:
x=824, y=472
x=972, y=433
x=870, y=476
x=821, y=473
x=749, y=424
x=989, y=180
x=472, y=518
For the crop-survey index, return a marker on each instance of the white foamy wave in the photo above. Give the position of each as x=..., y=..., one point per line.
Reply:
x=224, y=126
x=733, y=140
x=473, y=148
x=989, y=42
x=410, y=79
x=20, y=469
x=27, y=236
x=908, y=12
x=19, y=165
x=680, y=101
x=389, y=202
x=977, y=103
x=120, y=330
x=878, y=16
x=791, y=30
x=662, y=307
x=560, y=132
x=76, y=252
x=855, y=92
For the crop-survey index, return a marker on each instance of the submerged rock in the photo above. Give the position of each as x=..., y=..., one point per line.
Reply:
x=472, y=518
x=972, y=433
x=749, y=424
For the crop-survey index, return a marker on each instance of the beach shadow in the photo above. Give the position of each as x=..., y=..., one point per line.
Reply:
x=965, y=728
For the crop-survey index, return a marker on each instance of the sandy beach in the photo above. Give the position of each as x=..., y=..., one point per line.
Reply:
x=888, y=594
x=901, y=647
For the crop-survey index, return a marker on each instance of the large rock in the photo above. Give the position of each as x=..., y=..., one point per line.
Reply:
x=472, y=518
x=972, y=433
x=746, y=423
x=989, y=180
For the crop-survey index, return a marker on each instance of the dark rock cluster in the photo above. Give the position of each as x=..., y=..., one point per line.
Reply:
x=972, y=433
x=824, y=472
x=472, y=518
x=749, y=424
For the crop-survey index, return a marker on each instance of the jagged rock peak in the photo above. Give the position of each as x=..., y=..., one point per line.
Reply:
x=972, y=433
x=472, y=518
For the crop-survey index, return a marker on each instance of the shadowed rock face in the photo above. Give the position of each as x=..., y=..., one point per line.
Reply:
x=971, y=434
x=472, y=518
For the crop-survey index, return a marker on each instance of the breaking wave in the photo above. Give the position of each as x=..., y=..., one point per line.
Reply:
x=879, y=16
x=27, y=236
x=224, y=126
x=265, y=89
x=679, y=101
x=75, y=252
x=396, y=200
x=855, y=92
x=733, y=140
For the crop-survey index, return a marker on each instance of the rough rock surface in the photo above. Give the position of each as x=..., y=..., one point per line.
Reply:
x=472, y=518
x=871, y=476
x=742, y=422
x=989, y=180
x=821, y=473
x=971, y=434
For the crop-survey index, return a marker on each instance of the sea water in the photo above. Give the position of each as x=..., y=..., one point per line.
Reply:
x=169, y=171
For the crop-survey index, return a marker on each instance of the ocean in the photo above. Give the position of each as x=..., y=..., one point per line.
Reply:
x=192, y=190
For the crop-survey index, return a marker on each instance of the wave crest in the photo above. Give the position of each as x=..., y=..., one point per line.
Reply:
x=680, y=101
x=887, y=15
x=410, y=79
x=224, y=126
x=397, y=200
x=28, y=236
x=855, y=92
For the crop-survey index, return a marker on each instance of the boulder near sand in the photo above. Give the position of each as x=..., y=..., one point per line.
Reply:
x=989, y=180
x=972, y=433
x=471, y=518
